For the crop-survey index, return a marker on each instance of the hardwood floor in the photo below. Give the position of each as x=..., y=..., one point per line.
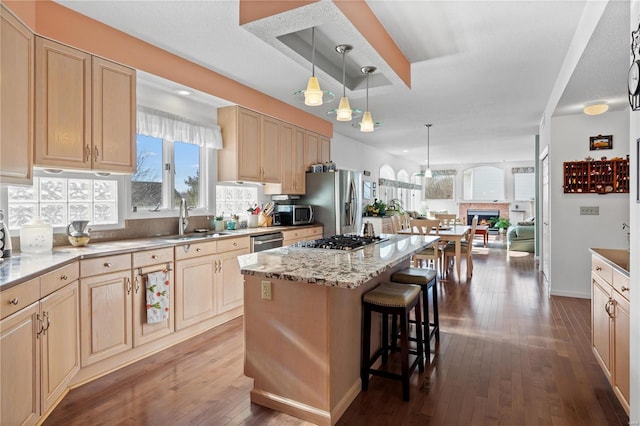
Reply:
x=509, y=355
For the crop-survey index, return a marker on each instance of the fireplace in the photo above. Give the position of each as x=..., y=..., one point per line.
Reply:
x=483, y=216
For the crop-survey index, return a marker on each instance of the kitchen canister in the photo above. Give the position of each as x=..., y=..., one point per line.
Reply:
x=36, y=236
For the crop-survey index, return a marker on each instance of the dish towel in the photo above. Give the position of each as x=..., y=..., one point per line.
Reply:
x=157, y=285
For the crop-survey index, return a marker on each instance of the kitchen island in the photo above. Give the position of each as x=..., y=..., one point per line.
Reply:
x=303, y=322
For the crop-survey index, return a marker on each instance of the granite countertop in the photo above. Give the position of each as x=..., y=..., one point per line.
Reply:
x=24, y=266
x=346, y=269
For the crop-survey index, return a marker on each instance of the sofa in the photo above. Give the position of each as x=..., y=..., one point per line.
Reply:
x=522, y=237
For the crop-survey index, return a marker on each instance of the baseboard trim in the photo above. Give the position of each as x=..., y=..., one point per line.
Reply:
x=291, y=407
x=576, y=294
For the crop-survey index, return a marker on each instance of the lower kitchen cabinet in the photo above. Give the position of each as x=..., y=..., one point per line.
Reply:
x=106, y=317
x=229, y=281
x=601, y=323
x=620, y=341
x=195, y=292
x=40, y=355
x=303, y=234
x=20, y=366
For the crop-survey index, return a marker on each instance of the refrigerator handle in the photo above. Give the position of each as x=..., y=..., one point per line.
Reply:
x=352, y=203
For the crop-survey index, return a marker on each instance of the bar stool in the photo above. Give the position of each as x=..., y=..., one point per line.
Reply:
x=391, y=299
x=426, y=279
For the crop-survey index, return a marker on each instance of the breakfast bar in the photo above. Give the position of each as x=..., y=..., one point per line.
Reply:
x=303, y=321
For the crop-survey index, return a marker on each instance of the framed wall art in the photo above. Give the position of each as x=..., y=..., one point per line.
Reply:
x=366, y=190
x=600, y=142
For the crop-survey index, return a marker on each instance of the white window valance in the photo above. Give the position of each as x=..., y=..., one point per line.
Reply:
x=171, y=127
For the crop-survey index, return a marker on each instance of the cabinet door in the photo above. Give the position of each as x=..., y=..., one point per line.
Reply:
x=114, y=116
x=270, y=150
x=20, y=367
x=248, y=132
x=312, y=149
x=324, y=150
x=299, y=167
x=601, y=323
x=16, y=102
x=60, y=342
x=105, y=321
x=144, y=332
x=288, y=161
x=63, y=106
x=195, y=291
x=229, y=281
x=621, y=350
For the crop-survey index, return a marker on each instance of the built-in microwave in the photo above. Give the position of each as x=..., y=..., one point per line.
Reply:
x=294, y=214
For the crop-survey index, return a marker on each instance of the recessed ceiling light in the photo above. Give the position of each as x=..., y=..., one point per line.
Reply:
x=405, y=150
x=184, y=92
x=596, y=108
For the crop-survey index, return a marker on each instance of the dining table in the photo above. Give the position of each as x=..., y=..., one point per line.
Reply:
x=455, y=233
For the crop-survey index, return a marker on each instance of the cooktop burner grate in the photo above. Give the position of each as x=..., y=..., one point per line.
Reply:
x=341, y=242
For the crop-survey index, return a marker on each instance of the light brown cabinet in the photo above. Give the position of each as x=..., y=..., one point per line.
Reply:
x=106, y=325
x=85, y=110
x=40, y=347
x=318, y=149
x=296, y=235
x=17, y=100
x=251, y=149
x=610, y=325
x=146, y=262
x=208, y=279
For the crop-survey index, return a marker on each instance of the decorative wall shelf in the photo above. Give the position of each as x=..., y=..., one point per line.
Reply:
x=600, y=177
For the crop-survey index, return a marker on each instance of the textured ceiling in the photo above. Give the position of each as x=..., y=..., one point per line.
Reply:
x=482, y=71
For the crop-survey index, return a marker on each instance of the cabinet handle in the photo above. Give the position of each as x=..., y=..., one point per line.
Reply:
x=198, y=249
x=107, y=264
x=14, y=301
x=128, y=285
x=44, y=329
x=88, y=153
x=623, y=288
x=41, y=321
x=598, y=268
x=97, y=153
x=154, y=256
x=235, y=244
x=64, y=277
x=137, y=284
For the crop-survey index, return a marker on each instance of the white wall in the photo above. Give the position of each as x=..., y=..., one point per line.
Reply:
x=572, y=234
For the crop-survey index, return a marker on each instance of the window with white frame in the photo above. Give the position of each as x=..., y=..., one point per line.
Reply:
x=58, y=199
x=483, y=183
x=172, y=160
x=524, y=183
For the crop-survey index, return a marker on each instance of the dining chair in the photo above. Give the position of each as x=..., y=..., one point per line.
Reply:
x=396, y=226
x=405, y=220
x=446, y=219
x=466, y=249
x=432, y=254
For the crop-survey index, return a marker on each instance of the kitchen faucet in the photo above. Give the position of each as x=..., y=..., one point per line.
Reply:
x=183, y=218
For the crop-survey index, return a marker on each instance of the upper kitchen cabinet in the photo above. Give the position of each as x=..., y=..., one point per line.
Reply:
x=16, y=102
x=318, y=149
x=85, y=110
x=292, y=177
x=251, y=150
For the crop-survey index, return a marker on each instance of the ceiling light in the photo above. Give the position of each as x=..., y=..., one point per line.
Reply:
x=184, y=92
x=344, y=109
x=367, y=123
x=313, y=95
x=596, y=108
x=427, y=173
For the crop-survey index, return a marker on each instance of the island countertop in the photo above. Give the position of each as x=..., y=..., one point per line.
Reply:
x=337, y=268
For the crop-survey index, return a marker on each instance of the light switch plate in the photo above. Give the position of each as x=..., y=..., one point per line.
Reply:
x=589, y=210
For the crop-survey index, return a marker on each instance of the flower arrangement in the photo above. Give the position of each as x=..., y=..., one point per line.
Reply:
x=377, y=208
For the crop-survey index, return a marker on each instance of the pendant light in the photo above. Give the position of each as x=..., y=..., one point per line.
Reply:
x=344, y=112
x=367, y=123
x=427, y=173
x=313, y=93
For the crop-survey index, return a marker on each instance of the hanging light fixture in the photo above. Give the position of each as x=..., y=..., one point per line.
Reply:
x=344, y=112
x=313, y=94
x=427, y=173
x=367, y=123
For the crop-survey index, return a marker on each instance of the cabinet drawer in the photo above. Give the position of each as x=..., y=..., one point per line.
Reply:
x=189, y=251
x=103, y=265
x=59, y=278
x=621, y=284
x=307, y=233
x=152, y=257
x=233, y=244
x=602, y=268
x=19, y=296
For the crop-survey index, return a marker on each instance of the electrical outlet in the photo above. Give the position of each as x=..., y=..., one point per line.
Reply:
x=586, y=210
x=266, y=290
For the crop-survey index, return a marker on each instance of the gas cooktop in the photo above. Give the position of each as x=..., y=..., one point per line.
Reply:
x=341, y=242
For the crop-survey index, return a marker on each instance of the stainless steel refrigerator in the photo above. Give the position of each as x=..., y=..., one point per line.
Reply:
x=337, y=200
